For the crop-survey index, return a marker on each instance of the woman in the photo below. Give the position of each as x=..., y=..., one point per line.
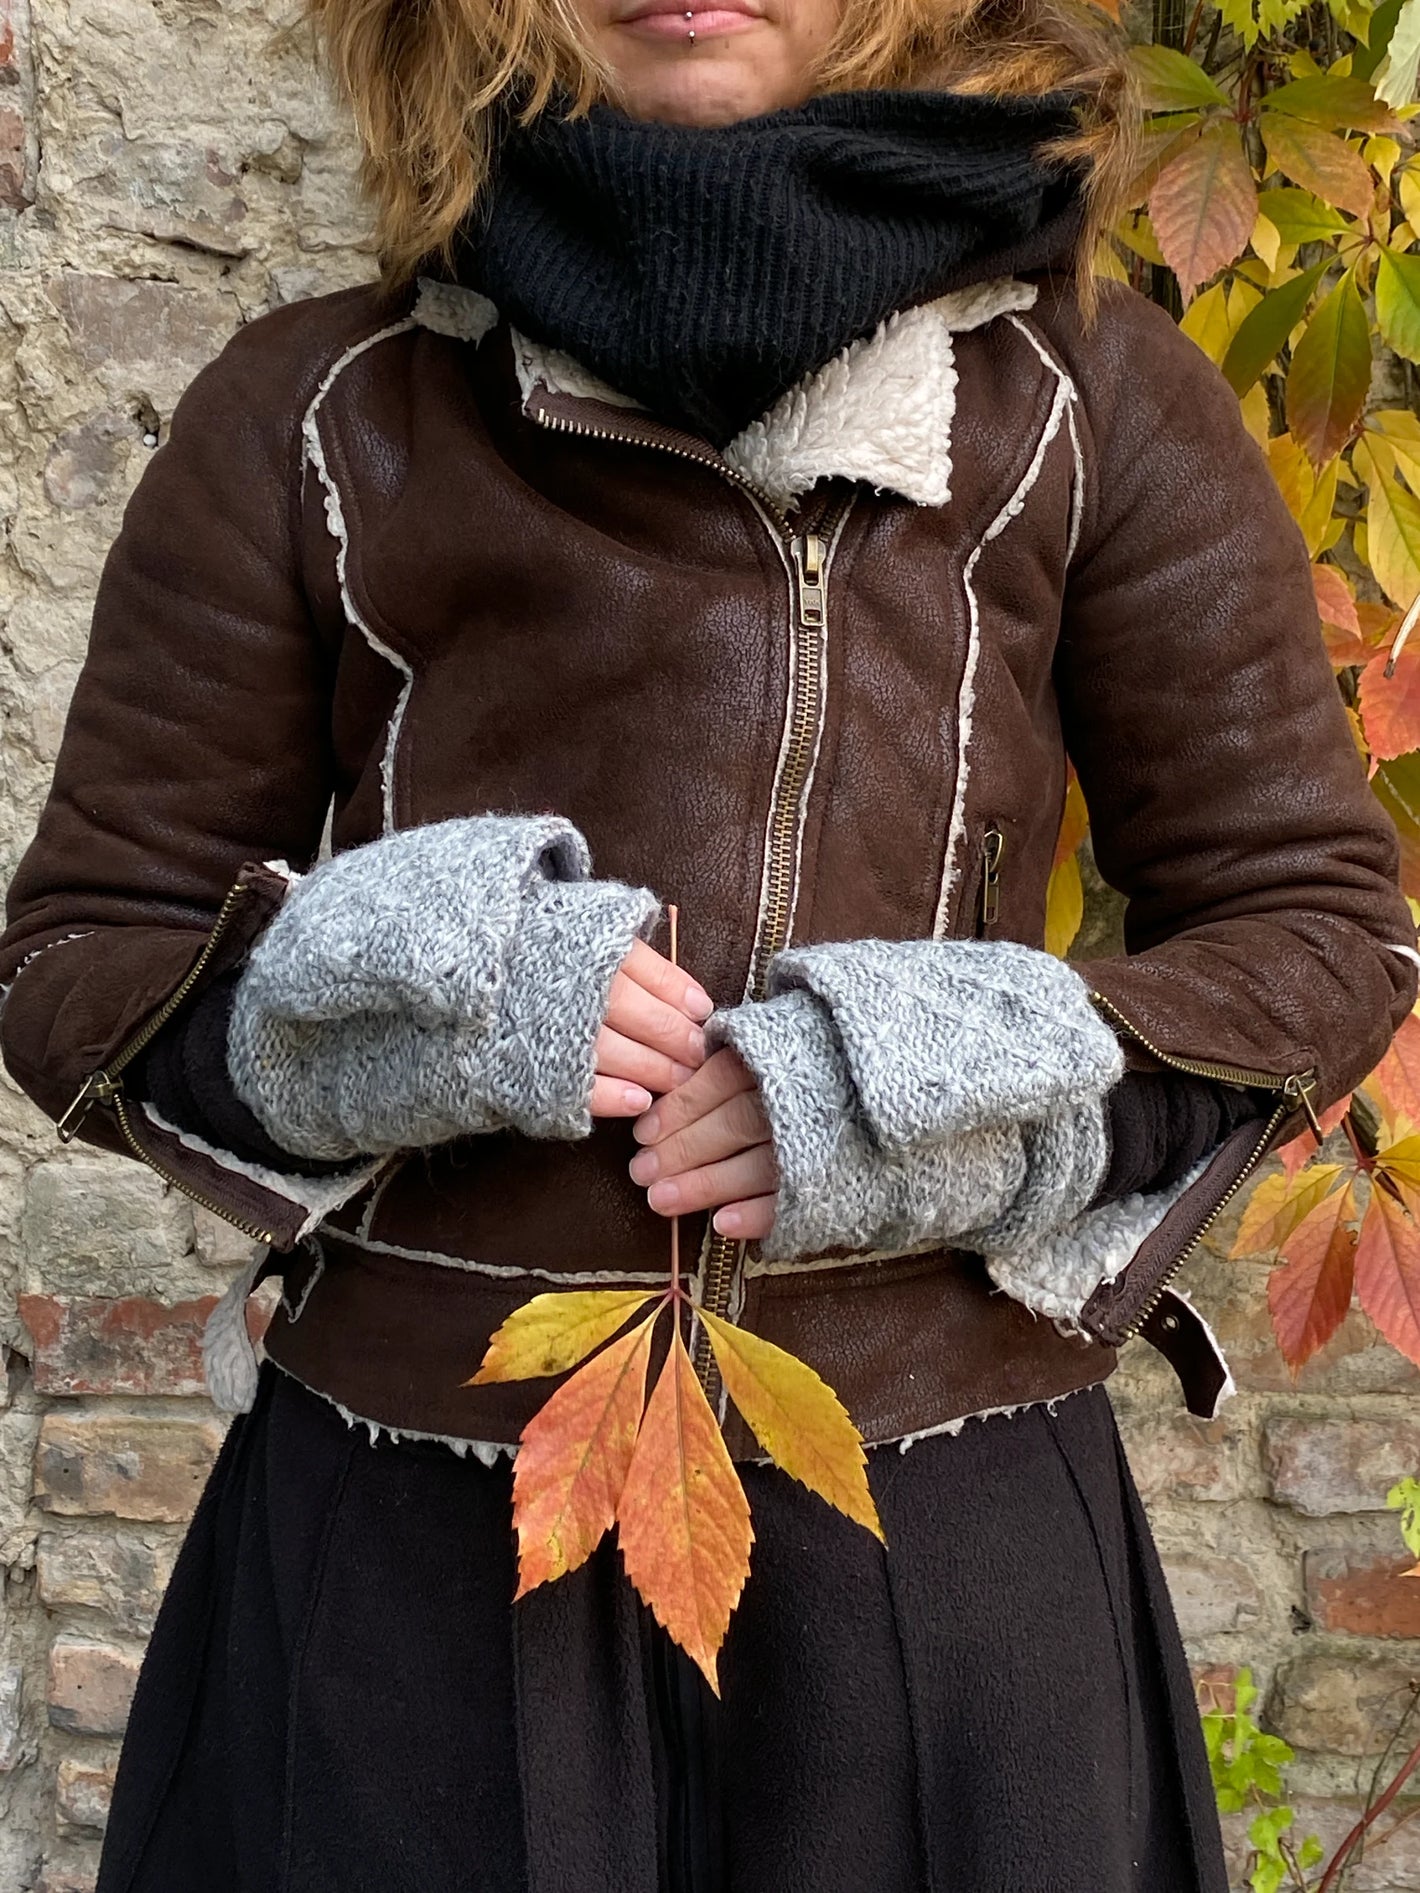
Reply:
x=732, y=497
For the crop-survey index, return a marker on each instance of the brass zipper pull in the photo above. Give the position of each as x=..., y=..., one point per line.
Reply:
x=98, y=1088
x=809, y=554
x=1299, y=1088
x=993, y=846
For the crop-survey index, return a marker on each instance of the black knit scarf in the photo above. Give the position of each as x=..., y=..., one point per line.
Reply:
x=703, y=272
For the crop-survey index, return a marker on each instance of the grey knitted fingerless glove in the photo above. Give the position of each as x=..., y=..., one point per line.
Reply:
x=926, y=1091
x=438, y=982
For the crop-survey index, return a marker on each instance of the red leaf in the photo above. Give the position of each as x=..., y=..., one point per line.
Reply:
x=1310, y=1293
x=1388, y=1270
x=1397, y=1077
x=1204, y=205
x=1390, y=706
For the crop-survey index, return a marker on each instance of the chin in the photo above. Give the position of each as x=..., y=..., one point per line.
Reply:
x=696, y=88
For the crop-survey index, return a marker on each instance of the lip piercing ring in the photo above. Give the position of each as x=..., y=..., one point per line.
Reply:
x=690, y=36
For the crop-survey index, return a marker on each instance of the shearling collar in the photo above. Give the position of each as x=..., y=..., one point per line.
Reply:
x=881, y=411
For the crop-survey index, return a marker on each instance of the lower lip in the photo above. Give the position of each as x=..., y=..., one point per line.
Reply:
x=711, y=23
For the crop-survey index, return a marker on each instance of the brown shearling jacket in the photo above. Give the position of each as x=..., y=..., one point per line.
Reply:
x=396, y=563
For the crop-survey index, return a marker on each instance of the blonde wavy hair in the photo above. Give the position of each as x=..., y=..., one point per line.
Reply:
x=428, y=78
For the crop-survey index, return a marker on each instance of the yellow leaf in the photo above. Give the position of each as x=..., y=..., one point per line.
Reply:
x=1278, y=1204
x=1316, y=514
x=798, y=1420
x=1392, y=524
x=1205, y=321
x=573, y=1459
x=551, y=1333
x=1257, y=414
x=1108, y=262
x=1402, y=1160
x=1064, y=906
x=683, y=1520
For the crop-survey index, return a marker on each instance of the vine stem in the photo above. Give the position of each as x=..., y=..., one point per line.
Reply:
x=673, y=913
x=1372, y=1813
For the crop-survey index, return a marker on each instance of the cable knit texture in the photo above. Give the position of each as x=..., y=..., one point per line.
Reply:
x=918, y=1091
x=441, y=981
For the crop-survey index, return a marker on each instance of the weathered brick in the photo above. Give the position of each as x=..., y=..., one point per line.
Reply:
x=83, y=1793
x=115, y=1572
x=1342, y=1705
x=129, y=1465
x=1319, y=1465
x=94, y=1345
x=91, y=1225
x=1362, y=1591
x=1174, y=1456
x=12, y=1696
x=90, y=1686
x=1212, y=1594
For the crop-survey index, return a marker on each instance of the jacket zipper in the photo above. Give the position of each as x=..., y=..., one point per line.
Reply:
x=1296, y=1089
x=105, y=1086
x=809, y=556
x=993, y=847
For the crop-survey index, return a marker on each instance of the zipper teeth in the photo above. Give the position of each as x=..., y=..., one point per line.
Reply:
x=722, y=1258
x=151, y=1027
x=120, y=1108
x=1233, y=1074
x=1278, y=1113
x=559, y=425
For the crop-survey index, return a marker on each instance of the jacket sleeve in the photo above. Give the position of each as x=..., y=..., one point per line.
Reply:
x=1266, y=935
x=197, y=747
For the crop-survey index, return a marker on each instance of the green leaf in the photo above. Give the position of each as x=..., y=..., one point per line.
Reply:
x=1268, y=1828
x=1405, y=1499
x=1172, y=82
x=1299, y=217
x=1333, y=101
x=1310, y=1853
x=1397, y=789
x=1263, y=331
x=1398, y=302
x=1319, y=161
x=1397, y=73
x=1330, y=375
x=1268, y=1875
x=1244, y=1691
x=1369, y=54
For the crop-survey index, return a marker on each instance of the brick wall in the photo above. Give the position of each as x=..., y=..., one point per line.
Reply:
x=166, y=173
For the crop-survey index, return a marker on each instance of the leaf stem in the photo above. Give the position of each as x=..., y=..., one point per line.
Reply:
x=673, y=914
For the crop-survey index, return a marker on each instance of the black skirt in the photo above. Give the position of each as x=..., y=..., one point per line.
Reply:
x=340, y=1697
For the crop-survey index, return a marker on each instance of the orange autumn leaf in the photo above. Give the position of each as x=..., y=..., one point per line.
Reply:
x=1390, y=706
x=1388, y=1268
x=798, y=1420
x=1310, y=1293
x=1278, y=1204
x=574, y=1457
x=1397, y=1077
x=683, y=1519
x=1064, y=906
x=1334, y=599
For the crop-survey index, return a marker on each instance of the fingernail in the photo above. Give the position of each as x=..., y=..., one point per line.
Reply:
x=698, y=1002
x=663, y=1195
x=644, y=1166
x=637, y=1098
x=697, y=1043
x=647, y=1128
x=728, y=1222
x=681, y=1072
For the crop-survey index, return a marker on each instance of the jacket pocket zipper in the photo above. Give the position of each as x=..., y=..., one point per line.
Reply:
x=105, y=1086
x=1296, y=1089
x=988, y=896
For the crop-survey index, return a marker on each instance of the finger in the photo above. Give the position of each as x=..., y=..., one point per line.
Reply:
x=667, y=982
x=612, y=1098
x=620, y=1057
x=638, y=1014
x=737, y=1124
x=751, y=1173
x=750, y=1221
x=722, y=1076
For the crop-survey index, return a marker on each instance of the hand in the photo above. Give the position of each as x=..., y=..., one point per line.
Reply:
x=651, y=1040
x=706, y=1145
